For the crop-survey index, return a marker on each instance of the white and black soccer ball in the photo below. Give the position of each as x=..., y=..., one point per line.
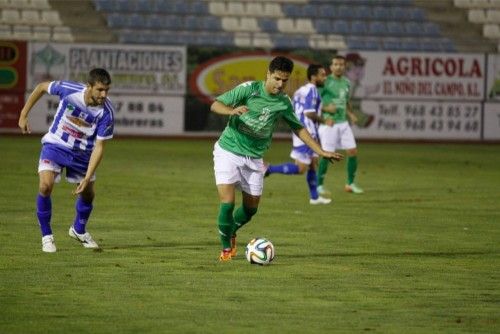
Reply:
x=260, y=251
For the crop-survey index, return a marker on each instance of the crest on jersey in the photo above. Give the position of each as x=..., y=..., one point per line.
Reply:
x=264, y=115
x=79, y=119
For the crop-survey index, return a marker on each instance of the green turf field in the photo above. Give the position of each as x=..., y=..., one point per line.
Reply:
x=419, y=252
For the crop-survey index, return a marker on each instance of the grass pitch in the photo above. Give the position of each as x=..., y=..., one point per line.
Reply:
x=419, y=252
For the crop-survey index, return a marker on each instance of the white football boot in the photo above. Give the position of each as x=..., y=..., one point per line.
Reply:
x=320, y=200
x=85, y=239
x=48, y=245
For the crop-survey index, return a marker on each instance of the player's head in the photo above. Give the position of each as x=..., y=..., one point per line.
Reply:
x=338, y=65
x=316, y=74
x=98, y=84
x=278, y=73
x=99, y=75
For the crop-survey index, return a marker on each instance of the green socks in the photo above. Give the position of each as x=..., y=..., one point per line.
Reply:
x=243, y=216
x=225, y=223
x=229, y=225
x=322, y=168
x=352, y=166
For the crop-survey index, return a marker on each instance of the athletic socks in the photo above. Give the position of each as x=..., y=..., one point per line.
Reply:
x=322, y=168
x=352, y=166
x=44, y=213
x=312, y=183
x=243, y=216
x=83, y=210
x=225, y=223
x=286, y=168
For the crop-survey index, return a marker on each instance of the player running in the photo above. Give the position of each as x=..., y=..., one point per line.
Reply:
x=254, y=108
x=75, y=141
x=306, y=103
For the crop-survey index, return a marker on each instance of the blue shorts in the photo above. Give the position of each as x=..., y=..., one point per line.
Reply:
x=303, y=154
x=55, y=158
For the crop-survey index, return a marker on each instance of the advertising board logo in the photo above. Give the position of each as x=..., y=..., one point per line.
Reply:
x=223, y=73
x=47, y=63
x=9, y=54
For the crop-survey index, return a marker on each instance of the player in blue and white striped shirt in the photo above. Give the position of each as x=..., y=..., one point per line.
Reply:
x=75, y=141
x=307, y=103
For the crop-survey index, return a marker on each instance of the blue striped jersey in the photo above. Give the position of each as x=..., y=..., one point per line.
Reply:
x=76, y=125
x=305, y=100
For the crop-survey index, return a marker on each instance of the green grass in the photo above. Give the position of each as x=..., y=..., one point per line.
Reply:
x=419, y=252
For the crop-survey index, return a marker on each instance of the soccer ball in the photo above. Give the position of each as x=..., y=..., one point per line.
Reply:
x=260, y=251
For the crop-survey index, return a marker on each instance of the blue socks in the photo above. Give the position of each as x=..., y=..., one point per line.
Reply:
x=44, y=213
x=290, y=169
x=312, y=183
x=287, y=168
x=83, y=210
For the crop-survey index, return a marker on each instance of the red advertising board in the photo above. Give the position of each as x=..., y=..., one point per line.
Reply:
x=12, y=82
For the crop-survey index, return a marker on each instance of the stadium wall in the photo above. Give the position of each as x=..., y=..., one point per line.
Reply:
x=167, y=90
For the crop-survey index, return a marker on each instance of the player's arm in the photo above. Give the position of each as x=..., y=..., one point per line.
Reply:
x=95, y=160
x=350, y=113
x=304, y=135
x=221, y=109
x=330, y=108
x=314, y=117
x=38, y=92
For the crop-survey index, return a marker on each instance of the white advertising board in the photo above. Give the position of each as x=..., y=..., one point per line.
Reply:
x=135, y=69
x=424, y=120
x=430, y=76
x=134, y=115
x=492, y=121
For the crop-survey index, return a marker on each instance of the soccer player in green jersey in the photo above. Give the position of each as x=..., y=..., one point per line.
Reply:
x=336, y=132
x=254, y=108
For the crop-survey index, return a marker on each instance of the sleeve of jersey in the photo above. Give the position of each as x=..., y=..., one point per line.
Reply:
x=309, y=102
x=105, y=126
x=291, y=119
x=55, y=88
x=235, y=96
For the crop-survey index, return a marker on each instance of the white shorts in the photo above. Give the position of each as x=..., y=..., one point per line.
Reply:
x=303, y=157
x=336, y=137
x=245, y=172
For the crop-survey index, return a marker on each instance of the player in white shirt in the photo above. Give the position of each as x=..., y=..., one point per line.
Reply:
x=75, y=141
x=306, y=103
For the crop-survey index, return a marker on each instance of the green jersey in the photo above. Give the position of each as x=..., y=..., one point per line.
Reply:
x=250, y=134
x=338, y=92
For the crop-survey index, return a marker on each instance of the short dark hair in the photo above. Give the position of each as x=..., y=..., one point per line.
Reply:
x=282, y=64
x=99, y=75
x=338, y=57
x=313, y=69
